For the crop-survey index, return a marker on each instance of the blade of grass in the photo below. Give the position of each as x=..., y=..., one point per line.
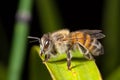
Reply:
x=37, y=71
x=82, y=69
x=19, y=40
x=111, y=27
x=49, y=15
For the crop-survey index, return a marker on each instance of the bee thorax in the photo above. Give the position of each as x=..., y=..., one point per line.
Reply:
x=61, y=47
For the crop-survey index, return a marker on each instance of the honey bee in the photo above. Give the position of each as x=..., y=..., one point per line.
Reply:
x=64, y=41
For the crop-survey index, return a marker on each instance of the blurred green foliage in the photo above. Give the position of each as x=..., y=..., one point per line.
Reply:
x=49, y=15
x=111, y=28
x=114, y=75
x=18, y=48
x=51, y=20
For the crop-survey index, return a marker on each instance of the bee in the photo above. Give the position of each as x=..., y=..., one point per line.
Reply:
x=64, y=41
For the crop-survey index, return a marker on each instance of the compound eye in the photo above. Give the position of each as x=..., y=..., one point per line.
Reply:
x=46, y=44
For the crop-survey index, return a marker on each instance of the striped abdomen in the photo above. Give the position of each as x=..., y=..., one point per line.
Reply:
x=88, y=42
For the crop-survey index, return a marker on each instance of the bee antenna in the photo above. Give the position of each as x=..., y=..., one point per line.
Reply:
x=30, y=37
x=37, y=39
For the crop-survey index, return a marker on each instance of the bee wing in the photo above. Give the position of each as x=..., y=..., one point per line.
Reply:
x=91, y=31
x=94, y=33
x=60, y=35
x=98, y=35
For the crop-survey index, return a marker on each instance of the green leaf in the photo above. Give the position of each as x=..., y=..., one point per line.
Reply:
x=81, y=68
x=37, y=70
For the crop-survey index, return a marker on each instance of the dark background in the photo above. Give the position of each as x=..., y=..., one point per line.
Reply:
x=75, y=14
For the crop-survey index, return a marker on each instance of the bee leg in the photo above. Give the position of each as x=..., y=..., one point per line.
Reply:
x=85, y=52
x=69, y=56
x=41, y=52
x=47, y=57
x=88, y=55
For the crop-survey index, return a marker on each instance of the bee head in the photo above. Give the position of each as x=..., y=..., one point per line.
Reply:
x=45, y=44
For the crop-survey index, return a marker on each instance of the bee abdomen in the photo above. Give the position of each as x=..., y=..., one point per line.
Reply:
x=87, y=41
x=77, y=37
x=96, y=48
